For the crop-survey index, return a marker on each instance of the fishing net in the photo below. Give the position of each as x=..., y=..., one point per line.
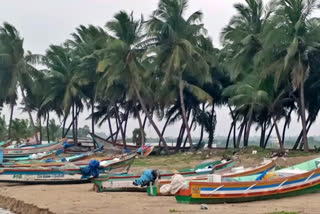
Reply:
x=177, y=182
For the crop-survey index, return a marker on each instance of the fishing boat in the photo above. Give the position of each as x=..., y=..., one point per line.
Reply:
x=292, y=181
x=32, y=157
x=78, y=160
x=26, y=151
x=125, y=182
x=68, y=173
x=64, y=145
x=116, y=147
x=265, y=166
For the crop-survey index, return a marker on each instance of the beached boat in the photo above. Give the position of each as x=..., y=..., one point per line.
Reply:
x=26, y=151
x=292, y=181
x=265, y=166
x=78, y=160
x=63, y=146
x=125, y=182
x=110, y=148
x=117, y=147
x=32, y=157
x=69, y=173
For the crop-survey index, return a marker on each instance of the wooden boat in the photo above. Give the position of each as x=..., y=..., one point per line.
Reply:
x=113, y=147
x=26, y=151
x=292, y=181
x=69, y=173
x=110, y=148
x=265, y=166
x=43, y=156
x=2, y=143
x=11, y=154
x=78, y=160
x=124, y=182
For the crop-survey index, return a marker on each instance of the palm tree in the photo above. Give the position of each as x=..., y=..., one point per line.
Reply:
x=249, y=100
x=87, y=42
x=20, y=129
x=242, y=37
x=16, y=69
x=122, y=63
x=3, y=128
x=289, y=39
x=176, y=39
x=65, y=82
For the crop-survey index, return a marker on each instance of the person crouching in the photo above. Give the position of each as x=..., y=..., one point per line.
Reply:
x=148, y=177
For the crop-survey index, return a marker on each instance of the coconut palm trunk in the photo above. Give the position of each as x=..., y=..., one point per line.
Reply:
x=73, y=125
x=268, y=136
x=10, y=122
x=277, y=132
x=48, y=134
x=263, y=133
x=141, y=129
x=76, y=122
x=185, y=140
x=202, y=129
x=150, y=119
x=286, y=125
x=29, y=113
x=180, y=136
x=303, y=117
x=229, y=134
x=145, y=121
x=92, y=117
x=64, y=126
x=110, y=129
x=240, y=134
x=247, y=130
x=235, y=134
x=40, y=128
x=164, y=128
x=121, y=128
x=184, y=117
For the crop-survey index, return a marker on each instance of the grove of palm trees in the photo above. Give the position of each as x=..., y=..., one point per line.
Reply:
x=163, y=67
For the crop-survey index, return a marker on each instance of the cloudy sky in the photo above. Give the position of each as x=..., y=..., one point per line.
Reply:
x=45, y=22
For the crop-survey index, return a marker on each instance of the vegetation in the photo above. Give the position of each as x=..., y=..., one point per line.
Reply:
x=165, y=68
x=137, y=138
x=284, y=212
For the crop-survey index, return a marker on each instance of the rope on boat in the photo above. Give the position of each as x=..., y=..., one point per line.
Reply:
x=309, y=177
x=250, y=187
x=282, y=184
x=216, y=189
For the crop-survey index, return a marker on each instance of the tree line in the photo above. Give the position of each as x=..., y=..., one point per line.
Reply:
x=165, y=68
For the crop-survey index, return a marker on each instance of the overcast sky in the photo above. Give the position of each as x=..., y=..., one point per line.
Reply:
x=45, y=22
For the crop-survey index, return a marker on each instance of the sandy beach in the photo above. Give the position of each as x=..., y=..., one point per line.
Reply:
x=74, y=199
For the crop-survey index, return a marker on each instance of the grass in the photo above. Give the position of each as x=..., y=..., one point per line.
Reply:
x=299, y=153
x=174, y=211
x=181, y=161
x=284, y=212
x=188, y=160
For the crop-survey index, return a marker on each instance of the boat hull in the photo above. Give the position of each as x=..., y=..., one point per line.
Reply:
x=59, y=175
x=190, y=200
x=125, y=182
x=226, y=173
x=232, y=192
x=25, y=152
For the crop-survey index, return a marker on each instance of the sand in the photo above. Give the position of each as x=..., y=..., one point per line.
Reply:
x=81, y=199
x=65, y=199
